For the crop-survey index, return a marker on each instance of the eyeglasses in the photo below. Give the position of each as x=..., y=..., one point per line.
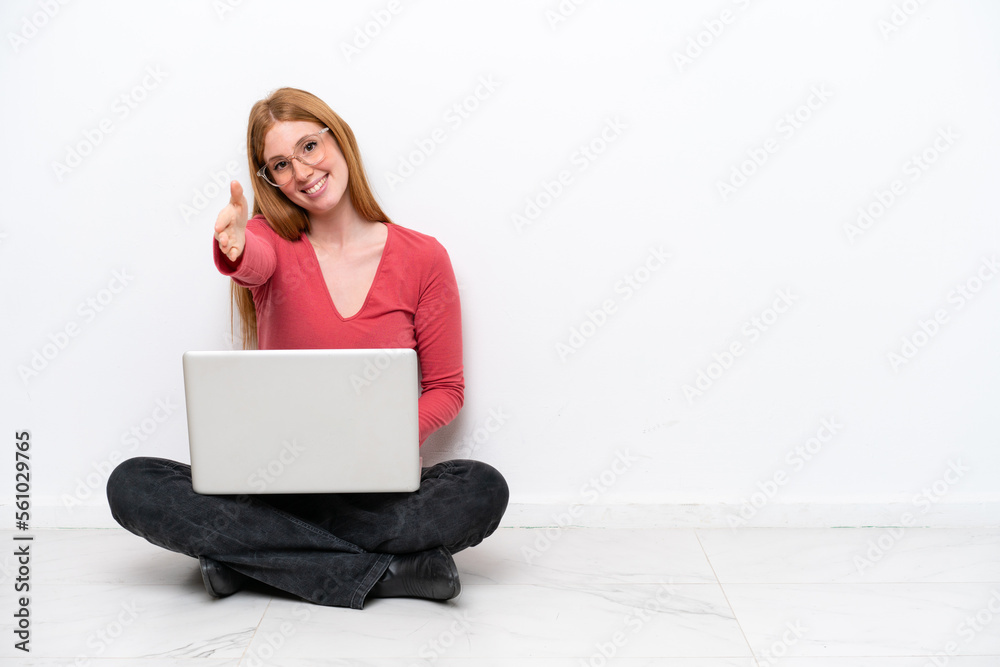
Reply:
x=308, y=151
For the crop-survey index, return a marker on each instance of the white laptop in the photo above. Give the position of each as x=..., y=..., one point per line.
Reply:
x=303, y=421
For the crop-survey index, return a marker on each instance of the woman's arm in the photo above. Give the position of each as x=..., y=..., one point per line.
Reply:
x=438, y=330
x=241, y=252
x=255, y=264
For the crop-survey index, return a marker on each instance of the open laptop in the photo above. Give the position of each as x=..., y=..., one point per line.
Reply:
x=303, y=421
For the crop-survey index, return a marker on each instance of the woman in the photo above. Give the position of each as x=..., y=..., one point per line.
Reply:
x=321, y=266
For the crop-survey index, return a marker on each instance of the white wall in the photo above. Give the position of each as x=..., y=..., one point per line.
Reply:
x=875, y=85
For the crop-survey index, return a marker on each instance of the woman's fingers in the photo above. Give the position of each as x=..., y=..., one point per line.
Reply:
x=224, y=220
x=236, y=198
x=231, y=222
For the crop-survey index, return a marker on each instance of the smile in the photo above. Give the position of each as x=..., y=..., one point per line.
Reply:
x=319, y=186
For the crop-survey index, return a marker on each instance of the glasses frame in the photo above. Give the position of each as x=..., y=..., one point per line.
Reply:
x=301, y=158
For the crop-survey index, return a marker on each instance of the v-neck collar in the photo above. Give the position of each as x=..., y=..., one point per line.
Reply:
x=371, y=288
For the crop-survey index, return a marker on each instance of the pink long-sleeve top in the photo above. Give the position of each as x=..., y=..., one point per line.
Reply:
x=413, y=303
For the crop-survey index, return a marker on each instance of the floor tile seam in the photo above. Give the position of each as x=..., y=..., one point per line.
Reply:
x=725, y=597
x=260, y=621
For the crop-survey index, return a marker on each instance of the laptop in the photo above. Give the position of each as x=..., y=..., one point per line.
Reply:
x=303, y=421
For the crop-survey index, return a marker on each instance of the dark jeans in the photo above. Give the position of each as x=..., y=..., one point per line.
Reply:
x=326, y=548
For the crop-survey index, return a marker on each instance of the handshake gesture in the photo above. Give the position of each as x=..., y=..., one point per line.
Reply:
x=231, y=225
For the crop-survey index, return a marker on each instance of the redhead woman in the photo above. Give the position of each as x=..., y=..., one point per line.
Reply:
x=319, y=265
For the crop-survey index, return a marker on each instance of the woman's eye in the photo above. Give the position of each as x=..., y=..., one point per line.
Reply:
x=309, y=146
x=278, y=166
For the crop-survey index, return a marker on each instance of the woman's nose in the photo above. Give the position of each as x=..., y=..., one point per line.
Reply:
x=300, y=169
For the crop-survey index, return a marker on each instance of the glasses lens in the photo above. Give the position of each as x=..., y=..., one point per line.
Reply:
x=266, y=175
x=310, y=151
x=277, y=172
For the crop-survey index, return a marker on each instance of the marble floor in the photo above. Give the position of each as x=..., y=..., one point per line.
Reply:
x=575, y=597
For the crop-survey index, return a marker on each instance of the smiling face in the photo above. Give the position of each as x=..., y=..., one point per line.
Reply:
x=318, y=188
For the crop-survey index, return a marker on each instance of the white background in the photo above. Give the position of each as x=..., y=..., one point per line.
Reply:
x=894, y=76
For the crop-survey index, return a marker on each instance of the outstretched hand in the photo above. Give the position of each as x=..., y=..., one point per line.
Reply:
x=231, y=225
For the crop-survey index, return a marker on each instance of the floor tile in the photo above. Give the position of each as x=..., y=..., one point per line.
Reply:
x=125, y=621
x=829, y=555
x=508, y=621
x=535, y=597
x=911, y=619
x=586, y=555
x=100, y=556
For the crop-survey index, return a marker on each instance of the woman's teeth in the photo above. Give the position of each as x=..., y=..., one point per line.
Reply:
x=314, y=189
